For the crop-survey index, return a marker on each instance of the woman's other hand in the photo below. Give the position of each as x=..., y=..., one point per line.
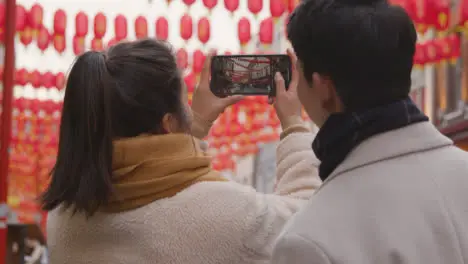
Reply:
x=206, y=106
x=286, y=102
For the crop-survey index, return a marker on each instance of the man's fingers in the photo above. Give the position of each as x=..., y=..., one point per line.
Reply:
x=295, y=73
x=205, y=74
x=279, y=81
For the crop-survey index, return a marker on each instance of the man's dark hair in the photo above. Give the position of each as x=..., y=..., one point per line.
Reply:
x=120, y=93
x=365, y=47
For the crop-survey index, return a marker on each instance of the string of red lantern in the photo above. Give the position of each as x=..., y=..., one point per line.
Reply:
x=141, y=27
x=99, y=28
x=186, y=27
x=255, y=6
x=243, y=31
x=203, y=30
x=162, y=28
x=231, y=5
x=60, y=26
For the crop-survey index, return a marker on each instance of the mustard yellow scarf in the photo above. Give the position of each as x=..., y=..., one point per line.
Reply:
x=148, y=168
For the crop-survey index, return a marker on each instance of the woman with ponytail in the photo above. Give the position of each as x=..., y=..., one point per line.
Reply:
x=131, y=183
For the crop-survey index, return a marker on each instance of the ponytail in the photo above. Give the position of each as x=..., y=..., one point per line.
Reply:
x=82, y=176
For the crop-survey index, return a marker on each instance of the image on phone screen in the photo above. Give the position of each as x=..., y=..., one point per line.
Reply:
x=248, y=74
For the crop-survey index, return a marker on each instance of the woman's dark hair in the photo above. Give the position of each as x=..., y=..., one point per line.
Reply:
x=120, y=93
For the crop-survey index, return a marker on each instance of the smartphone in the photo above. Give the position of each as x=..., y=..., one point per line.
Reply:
x=248, y=74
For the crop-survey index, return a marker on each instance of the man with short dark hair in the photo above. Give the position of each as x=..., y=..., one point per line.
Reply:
x=395, y=190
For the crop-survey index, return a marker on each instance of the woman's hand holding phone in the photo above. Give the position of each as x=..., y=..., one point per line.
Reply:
x=286, y=102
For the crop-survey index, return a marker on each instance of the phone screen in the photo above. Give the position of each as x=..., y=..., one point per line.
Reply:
x=248, y=74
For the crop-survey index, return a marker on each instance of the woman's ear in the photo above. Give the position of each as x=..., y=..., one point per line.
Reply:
x=170, y=123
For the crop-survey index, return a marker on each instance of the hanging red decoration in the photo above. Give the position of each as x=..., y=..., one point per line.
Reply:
x=81, y=24
x=182, y=58
x=35, y=78
x=190, y=82
x=243, y=31
x=60, y=22
x=48, y=80
x=97, y=44
x=120, y=27
x=463, y=13
x=266, y=31
x=21, y=77
x=277, y=8
x=162, y=28
x=36, y=15
x=26, y=36
x=255, y=6
x=78, y=45
x=425, y=16
x=198, y=61
x=186, y=27
x=21, y=18
x=189, y=2
x=442, y=14
x=231, y=5
x=420, y=56
x=210, y=4
x=292, y=5
x=203, y=30
x=141, y=27
x=43, y=39
x=60, y=81
x=100, y=25
x=59, y=43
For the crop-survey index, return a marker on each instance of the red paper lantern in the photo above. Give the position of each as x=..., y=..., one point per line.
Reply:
x=425, y=15
x=420, y=56
x=463, y=13
x=204, y=30
x=190, y=82
x=120, y=27
x=432, y=51
x=100, y=25
x=48, y=80
x=60, y=80
x=210, y=4
x=186, y=27
x=255, y=6
x=442, y=13
x=141, y=27
x=26, y=36
x=162, y=28
x=59, y=43
x=35, y=78
x=189, y=2
x=182, y=58
x=97, y=44
x=36, y=15
x=198, y=61
x=292, y=5
x=81, y=24
x=277, y=8
x=21, y=77
x=231, y=5
x=21, y=18
x=43, y=39
x=78, y=45
x=266, y=31
x=243, y=31
x=60, y=22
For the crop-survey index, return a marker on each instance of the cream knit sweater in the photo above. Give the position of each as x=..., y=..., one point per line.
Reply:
x=207, y=223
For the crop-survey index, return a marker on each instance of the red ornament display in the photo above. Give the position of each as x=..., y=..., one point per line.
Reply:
x=198, y=61
x=255, y=6
x=78, y=45
x=97, y=44
x=162, y=28
x=141, y=27
x=277, y=8
x=203, y=30
x=59, y=43
x=21, y=18
x=35, y=78
x=48, y=80
x=186, y=27
x=60, y=22
x=231, y=5
x=210, y=4
x=43, y=39
x=81, y=24
x=463, y=13
x=26, y=36
x=100, y=25
x=292, y=5
x=36, y=15
x=120, y=27
x=189, y=2
x=243, y=31
x=266, y=31
x=442, y=14
x=182, y=58
x=21, y=77
x=60, y=81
